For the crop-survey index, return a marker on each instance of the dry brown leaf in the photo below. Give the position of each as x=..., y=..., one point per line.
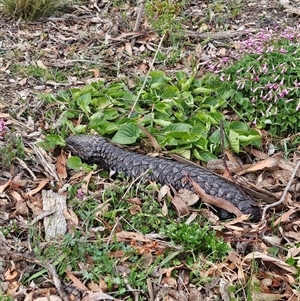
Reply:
x=128, y=48
x=292, y=234
x=168, y=271
x=97, y=296
x=164, y=191
x=191, y=218
x=21, y=208
x=135, y=209
x=151, y=139
x=214, y=201
x=188, y=197
x=169, y=282
x=257, y=296
x=16, y=196
x=266, y=258
x=293, y=251
x=86, y=182
x=236, y=45
x=285, y=216
x=103, y=285
x=72, y=219
x=135, y=201
x=18, y=182
x=23, y=81
x=42, y=184
x=94, y=287
x=76, y=281
x=181, y=207
x=117, y=254
x=128, y=236
x=268, y=163
x=11, y=273
x=61, y=166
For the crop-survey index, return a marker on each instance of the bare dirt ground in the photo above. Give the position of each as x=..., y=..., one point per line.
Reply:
x=103, y=40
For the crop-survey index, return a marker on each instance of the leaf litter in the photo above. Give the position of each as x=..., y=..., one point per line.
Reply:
x=97, y=42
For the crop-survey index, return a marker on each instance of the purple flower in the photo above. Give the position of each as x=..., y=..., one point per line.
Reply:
x=283, y=93
x=224, y=59
x=282, y=50
x=80, y=193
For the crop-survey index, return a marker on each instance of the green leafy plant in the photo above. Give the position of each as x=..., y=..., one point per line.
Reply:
x=221, y=10
x=182, y=113
x=30, y=10
x=164, y=15
x=264, y=84
x=195, y=238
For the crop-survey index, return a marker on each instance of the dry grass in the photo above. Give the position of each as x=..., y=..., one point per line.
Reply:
x=30, y=10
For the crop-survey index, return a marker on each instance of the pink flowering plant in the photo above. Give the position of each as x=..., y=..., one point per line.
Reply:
x=264, y=83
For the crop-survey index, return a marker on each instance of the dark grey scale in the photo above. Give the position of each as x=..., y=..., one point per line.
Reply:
x=95, y=149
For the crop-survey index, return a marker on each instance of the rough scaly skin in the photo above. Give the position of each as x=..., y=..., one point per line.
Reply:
x=95, y=149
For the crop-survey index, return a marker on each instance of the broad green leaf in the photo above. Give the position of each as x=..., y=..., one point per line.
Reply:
x=76, y=164
x=163, y=107
x=182, y=137
x=187, y=84
x=170, y=92
x=80, y=128
x=201, y=143
x=110, y=114
x=103, y=126
x=157, y=74
x=185, y=153
x=239, y=126
x=204, y=156
x=100, y=102
x=84, y=102
x=127, y=134
x=215, y=137
x=203, y=90
x=53, y=140
x=178, y=127
x=162, y=122
x=233, y=139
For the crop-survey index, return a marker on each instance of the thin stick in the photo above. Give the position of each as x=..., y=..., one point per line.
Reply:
x=138, y=21
x=284, y=192
x=147, y=76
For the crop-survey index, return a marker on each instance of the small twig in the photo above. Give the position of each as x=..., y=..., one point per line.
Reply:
x=284, y=192
x=147, y=76
x=138, y=21
x=49, y=267
x=112, y=232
